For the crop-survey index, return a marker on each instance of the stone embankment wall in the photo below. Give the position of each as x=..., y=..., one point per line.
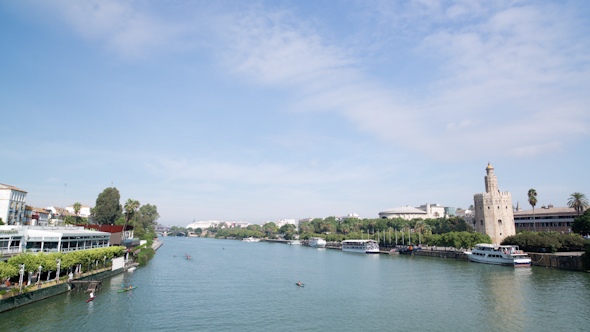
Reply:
x=157, y=244
x=43, y=293
x=559, y=261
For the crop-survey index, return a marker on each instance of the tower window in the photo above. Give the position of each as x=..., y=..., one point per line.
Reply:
x=488, y=207
x=499, y=221
x=481, y=222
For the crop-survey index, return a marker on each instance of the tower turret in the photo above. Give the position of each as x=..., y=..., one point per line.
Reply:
x=491, y=180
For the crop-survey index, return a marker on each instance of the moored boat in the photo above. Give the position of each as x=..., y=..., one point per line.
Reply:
x=362, y=246
x=317, y=242
x=293, y=242
x=499, y=255
x=250, y=239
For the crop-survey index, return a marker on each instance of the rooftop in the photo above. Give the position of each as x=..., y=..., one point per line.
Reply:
x=7, y=187
x=404, y=210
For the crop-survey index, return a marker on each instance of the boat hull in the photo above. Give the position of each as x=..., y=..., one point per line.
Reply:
x=499, y=261
x=362, y=251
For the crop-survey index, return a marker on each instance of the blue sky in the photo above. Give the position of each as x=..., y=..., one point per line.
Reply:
x=258, y=111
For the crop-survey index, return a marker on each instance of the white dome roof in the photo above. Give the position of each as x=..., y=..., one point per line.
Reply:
x=404, y=210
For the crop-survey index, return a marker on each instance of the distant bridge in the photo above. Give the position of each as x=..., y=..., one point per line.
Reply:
x=173, y=233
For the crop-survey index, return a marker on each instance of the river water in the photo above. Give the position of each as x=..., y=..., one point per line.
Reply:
x=232, y=285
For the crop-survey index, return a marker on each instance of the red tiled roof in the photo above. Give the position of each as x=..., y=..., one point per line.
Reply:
x=109, y=228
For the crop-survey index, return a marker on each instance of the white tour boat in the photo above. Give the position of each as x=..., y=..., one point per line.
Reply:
x=499, y=255
x=363, y=246
x=293, y=242
x=317, y=242
x=250, y=239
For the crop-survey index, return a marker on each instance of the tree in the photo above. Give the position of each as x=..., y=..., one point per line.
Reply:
x=107, y=208
x=147, y=215
x=578, y=201
x=92, y=211
x=77, y=207
x=581, y=224
x=288, y=228
x=269, y=227
x=533, y=201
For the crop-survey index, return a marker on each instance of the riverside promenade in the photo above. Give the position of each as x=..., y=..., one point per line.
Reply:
x=49, y=289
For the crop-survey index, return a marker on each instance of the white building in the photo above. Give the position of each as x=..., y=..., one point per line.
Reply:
x=204, y=224
x=84, y=210
x=434, y=211
x=15, y=239
x=12, y=204
x=241, y=224
x=283, y=222
x=426, y=211
x=406, y=212
x=467, y=215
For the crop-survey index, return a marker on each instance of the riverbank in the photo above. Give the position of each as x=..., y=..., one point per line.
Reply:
x=49, y=289
x=561, y=260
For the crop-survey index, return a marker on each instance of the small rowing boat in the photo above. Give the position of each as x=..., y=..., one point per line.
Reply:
x=127, y=289
x=90, y=299
x=300, y=285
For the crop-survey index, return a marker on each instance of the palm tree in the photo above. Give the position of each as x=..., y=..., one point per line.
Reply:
x=129, y=208
x=533, y=201
x=136, y=205
x=578, y=201
x=77, y=207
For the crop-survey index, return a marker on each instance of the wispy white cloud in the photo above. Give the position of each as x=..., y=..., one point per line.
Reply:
x=505, y=68
x=512, y=72
x=128, y=29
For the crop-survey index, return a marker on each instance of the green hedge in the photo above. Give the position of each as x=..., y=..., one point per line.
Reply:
x=547, y=242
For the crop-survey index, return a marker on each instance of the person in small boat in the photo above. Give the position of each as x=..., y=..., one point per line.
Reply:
x=299, y=283
x=91, y=294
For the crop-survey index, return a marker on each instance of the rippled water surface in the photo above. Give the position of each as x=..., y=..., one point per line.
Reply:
x=231, y=285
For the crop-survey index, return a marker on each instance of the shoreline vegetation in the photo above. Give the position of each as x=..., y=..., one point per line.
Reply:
x=450, y=232
x=84, y=261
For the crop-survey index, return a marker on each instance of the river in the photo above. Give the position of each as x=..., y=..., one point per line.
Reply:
x=232, y=285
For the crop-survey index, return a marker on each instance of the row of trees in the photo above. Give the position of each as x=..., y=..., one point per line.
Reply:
x=424, y=226
x=109, y=211
x=48, y=262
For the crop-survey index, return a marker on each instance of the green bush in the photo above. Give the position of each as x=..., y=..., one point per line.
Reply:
x=547, y=242
x=2, y=292
x=144, y=255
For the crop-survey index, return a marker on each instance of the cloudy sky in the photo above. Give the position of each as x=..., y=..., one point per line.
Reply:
x=265, y=110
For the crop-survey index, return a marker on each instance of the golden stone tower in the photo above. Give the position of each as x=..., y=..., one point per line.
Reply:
x=493, y=210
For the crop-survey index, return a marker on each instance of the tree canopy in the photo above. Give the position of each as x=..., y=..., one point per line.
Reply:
x=107, y=208
x=578, y=201
x=581, y=224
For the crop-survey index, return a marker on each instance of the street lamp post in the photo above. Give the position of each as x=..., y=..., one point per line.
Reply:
x=39, y=276
x=21, y=272
x=58, y=270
